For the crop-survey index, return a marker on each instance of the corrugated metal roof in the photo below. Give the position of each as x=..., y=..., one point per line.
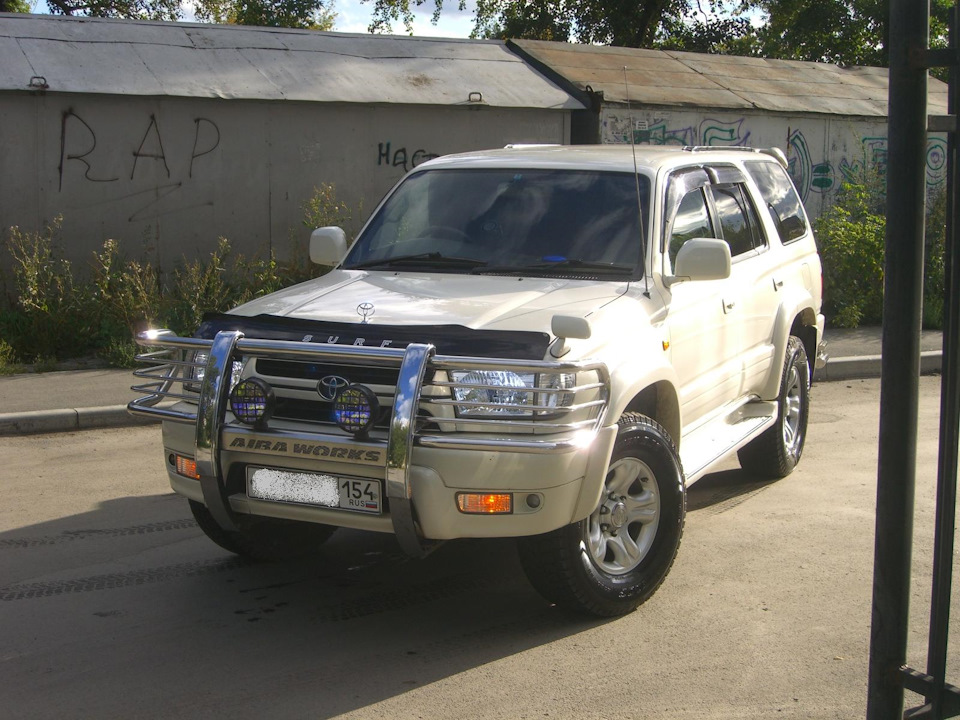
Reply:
x=123, y=57
x=659, y=77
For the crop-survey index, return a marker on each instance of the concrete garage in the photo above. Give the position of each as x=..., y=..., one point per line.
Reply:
x=830, y=120
x=167, y=136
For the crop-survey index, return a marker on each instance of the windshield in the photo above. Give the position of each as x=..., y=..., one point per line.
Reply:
x=508, y=220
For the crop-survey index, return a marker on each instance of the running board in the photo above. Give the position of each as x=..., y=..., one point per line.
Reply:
x=713, y=441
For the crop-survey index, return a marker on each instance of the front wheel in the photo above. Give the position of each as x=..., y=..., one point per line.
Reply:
x=610, y=562
x=776, y=452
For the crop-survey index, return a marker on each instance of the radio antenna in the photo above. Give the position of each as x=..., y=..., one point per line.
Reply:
x=636, y=179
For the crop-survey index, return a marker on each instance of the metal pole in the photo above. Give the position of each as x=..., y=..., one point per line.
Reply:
x=900, y=366
x=949, y=420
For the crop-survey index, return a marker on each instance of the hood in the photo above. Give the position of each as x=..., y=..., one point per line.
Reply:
x=479, y=302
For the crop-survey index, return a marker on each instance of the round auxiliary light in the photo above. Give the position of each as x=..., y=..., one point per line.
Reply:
x=252, y=401
x=356, y=409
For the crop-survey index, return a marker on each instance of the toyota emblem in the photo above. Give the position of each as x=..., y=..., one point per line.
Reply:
x=366, y=311
x=329, y=386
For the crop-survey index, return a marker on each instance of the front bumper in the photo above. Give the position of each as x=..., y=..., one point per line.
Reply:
x=554, y=470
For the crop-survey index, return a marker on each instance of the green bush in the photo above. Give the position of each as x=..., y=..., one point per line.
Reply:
x=54, y=315
x=51, y=313
x=851, y=238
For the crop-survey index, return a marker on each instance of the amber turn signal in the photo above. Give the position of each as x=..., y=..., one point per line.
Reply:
x=485, y=503
x=187, y=467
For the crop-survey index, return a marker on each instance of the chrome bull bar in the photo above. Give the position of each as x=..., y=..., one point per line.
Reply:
x=413, y=362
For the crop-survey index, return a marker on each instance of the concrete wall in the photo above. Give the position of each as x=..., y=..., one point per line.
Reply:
x=168, y=176
x=823, y=151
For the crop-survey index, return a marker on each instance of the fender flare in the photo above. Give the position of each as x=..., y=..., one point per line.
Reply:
x=794, y=305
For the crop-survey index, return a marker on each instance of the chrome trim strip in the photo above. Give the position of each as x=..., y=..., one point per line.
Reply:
x=211, y=407
x=530, y=447
x=400, y=447
x=513, y=424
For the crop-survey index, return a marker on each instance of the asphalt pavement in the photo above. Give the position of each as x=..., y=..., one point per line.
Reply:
x=71, y=400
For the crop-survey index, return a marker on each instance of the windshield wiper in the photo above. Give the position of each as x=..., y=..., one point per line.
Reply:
x=428, y=259
x=565, y=265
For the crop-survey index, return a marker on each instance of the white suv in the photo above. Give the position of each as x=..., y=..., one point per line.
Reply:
x=539, y=342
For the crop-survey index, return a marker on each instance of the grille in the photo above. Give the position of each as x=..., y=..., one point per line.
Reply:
x=306, y=405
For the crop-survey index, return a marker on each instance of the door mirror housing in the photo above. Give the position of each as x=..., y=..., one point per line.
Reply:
x=701, y=259
x=328, y=245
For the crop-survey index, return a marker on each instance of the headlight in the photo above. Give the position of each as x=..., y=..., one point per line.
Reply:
x=502, y=393
x=195, y=374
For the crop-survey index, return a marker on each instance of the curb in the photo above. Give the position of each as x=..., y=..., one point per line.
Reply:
x=69, y=420
x=868, y=366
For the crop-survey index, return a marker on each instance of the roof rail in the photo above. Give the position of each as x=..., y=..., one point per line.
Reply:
x=774, y=152
x=524, y=146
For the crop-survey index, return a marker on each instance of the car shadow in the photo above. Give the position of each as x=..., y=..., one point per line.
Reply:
x=132, y=595
x=721, y=491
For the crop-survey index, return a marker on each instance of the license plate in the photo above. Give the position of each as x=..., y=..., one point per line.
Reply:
x=306, y=488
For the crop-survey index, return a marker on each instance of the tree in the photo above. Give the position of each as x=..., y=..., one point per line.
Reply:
x=15, y=6
x=132, y=9
x=305, y=14
x=628, y=23
x=846, y=32
x=309, y=14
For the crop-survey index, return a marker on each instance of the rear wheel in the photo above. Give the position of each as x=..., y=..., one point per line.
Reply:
x=776, y=452
x=263, y=538
x=610, y=562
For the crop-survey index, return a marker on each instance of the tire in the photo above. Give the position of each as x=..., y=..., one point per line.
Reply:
x=263, y=538
x=776, y=452
x=609, y=563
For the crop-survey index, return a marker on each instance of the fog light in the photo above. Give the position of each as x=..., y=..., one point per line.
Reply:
x=252, y=401
x=356, y=409
x=485, y=503
x=187, y=467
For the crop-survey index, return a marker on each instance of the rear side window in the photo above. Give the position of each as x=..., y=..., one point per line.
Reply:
x=738, y=221
x=781, y=199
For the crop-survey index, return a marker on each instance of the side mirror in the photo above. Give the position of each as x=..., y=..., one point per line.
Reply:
x=328, y=245
x=701, y=259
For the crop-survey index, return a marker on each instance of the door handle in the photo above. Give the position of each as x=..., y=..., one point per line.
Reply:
x=728, y=306
x=777, y=284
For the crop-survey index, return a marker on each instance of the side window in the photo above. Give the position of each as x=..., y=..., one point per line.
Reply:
x=738, y=221
x=692, y=221
x=781, y=198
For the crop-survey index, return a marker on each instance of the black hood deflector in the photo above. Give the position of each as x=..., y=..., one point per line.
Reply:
x=448, y=339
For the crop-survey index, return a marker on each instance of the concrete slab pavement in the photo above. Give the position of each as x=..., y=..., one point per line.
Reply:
x=81, y=399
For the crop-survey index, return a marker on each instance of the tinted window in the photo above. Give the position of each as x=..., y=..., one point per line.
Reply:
x=692, y=221
x=513, y=217
x=781, y=198
x=738, y=221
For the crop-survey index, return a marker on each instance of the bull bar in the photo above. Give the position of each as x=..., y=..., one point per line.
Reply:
x=174, y=363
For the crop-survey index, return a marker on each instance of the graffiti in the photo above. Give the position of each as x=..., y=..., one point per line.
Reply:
x=720, y=132
x=156, y=154
x=710, y=131
x=936, y=162
x=208, y=127
x=78, y=141
x=402, y=157
x=70, y=118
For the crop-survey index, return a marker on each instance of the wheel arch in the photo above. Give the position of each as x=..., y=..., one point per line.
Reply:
x=659, y=402
x=797, y=318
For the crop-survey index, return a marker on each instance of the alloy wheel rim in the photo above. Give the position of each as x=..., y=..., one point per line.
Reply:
x=620, y=532
x=792, y=411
